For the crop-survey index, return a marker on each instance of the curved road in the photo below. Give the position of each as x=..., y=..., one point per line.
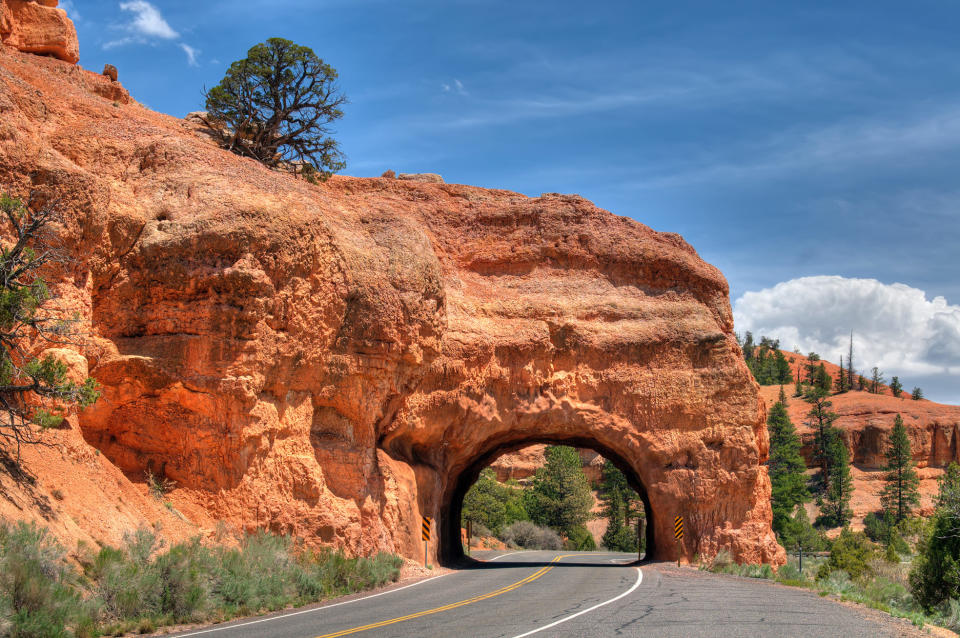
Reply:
x=539, y=593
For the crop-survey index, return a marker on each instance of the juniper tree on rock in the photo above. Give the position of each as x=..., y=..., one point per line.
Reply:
x=917, y=394
x=785, y=466
x=276, y=105
x=902, y=491
x=34, y=390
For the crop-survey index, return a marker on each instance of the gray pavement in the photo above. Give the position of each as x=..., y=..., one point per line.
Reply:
x=572, y=594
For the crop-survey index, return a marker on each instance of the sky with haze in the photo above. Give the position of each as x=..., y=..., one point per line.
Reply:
x=807, y=149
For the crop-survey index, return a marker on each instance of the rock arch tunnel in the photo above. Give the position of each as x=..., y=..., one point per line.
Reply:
x=449, y=535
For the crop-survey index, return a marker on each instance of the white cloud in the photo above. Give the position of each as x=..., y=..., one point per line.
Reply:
x=895, y=326
x=457, y=87
x=191, y=53
x=147, y=26
x=147, y=20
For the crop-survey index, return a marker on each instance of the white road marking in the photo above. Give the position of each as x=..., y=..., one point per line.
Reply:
x=585, y=611
x=490, y=560
x=307, y=611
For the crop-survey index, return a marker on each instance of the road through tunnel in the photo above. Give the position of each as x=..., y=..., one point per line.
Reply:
x=635, y=511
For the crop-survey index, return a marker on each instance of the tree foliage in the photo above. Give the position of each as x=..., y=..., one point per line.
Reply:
x=619, y=509
x=276, y=106
x=917, y=394
x=935, y=576
x=785, y=465
x=765, y=361
x=902, y=491
x=34, y=390
x=560, y=496
x=835, y=501
x=491, y=504
x=896, y=387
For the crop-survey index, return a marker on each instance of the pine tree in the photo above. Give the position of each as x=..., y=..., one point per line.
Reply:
x=820, y=419
x=785, y=465
x=798, y=388
x=917, y=394
x=560, y=497
x=835, y=503
x=861, y=382
x=822, y=380
x=876, y=381
x=896, y=387
x=850, y=364
x=902, y=491
x=617, y=509
x=841, y=378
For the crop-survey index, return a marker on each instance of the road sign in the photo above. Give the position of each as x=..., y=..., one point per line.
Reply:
x=678, y=527
x=425, y=528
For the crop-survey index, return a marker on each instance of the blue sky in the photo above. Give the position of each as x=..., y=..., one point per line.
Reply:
x=786, y=141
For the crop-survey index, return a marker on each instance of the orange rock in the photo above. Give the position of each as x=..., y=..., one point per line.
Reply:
x=335, y=361
x=39, y=27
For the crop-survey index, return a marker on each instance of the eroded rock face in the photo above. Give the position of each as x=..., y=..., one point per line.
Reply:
x=334, y=361
x=38, y=26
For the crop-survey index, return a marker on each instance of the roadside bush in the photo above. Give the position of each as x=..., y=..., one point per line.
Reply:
x=852, y=553
x=530, y=536
x=935, y=577
x=139, y=587
x=723, y=563
x=580, y=539
x=36, y=593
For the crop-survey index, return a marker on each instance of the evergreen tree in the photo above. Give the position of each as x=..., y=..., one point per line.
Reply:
x=821, y=379
x=861, y=382
x=902, y=491
x=896, y=387
x=618, y=509
x=917, y=394
x=841, y=377
x=798, y=388
x=492, y=504
x=850, y=364
x=876, y=381
x=935, y=576
x=820, y=419
x=560, y=496
x=810, y=368
x=785, y=465
x=835, y=503
x=782, y=369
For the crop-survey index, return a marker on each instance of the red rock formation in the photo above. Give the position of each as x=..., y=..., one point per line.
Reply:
x=334, y=361
x=37, y=26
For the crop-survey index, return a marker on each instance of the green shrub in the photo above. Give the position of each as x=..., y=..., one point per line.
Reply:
x=935, y=577
x=580, y=539
x=852, y=553
x=36, y=593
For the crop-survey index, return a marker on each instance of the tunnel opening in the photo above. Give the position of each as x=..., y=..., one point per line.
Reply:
x=450, y=550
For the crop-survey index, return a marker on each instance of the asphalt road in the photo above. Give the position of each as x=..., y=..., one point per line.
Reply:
x=572, y=594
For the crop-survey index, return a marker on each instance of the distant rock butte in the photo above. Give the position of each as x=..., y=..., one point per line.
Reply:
x=335, y=361
x=38, y=26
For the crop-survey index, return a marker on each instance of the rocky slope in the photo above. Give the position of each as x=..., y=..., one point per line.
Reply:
x=335, y=361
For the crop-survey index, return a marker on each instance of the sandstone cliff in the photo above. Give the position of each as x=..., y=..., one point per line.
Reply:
x=334, y=361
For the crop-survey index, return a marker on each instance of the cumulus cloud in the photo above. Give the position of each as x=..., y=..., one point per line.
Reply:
x=895, y=327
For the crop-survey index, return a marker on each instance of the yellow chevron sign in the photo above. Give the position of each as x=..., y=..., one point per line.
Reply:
x=425, y=528
x=678, y=527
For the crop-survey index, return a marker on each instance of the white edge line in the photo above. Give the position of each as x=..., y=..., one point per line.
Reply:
x=490, y=560
x=307, y=611
x=585, y=611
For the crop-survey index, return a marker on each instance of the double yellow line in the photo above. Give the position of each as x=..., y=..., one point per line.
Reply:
x=436, y=610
